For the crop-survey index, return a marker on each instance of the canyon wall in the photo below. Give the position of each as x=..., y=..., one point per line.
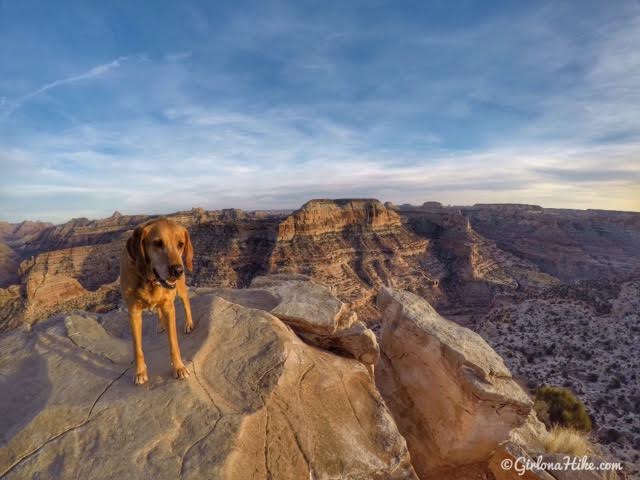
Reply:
x=458, y=258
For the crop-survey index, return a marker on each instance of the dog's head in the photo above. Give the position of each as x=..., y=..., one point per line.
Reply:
x=158, y=247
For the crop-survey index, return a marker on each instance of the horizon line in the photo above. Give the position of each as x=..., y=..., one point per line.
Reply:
x=118, y=212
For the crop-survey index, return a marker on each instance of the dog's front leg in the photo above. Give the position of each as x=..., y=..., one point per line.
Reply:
x=168, y=311
x=135, y=322
x=183, y=293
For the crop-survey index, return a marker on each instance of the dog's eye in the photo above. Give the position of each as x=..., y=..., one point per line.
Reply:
x=180, y=244
x=157, y=243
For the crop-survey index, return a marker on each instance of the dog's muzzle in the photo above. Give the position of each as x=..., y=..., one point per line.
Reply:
x=168, y=284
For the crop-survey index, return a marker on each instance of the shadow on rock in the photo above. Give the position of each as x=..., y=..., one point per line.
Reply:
x=25, y=392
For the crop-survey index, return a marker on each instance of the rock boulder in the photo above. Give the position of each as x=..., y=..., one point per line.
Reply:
x=450, y=393
x=312, y=310
x=260, y=403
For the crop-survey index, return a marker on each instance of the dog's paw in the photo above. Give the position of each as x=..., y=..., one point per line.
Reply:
x=188, y=328
x=180, y=372
x=140, y=378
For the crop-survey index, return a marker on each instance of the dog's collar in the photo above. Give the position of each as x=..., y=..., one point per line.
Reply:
x=158, y=283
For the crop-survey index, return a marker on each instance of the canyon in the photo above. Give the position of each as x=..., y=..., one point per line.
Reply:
x=540, y=285
x=261, y=402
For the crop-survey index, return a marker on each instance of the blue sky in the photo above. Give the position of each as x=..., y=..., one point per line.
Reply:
x=152, y=107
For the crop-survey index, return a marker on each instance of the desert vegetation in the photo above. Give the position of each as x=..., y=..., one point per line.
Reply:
x=572, y=341
x=557, y=406
x=568, y=441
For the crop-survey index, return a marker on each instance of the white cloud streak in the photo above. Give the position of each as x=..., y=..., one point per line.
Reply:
x=94, y=72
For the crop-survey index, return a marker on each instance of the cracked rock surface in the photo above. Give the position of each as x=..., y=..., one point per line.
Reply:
x=453, y=398
x=312, y=310
x=260, y=403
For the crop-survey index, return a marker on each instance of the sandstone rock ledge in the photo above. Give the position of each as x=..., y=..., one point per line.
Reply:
x=451, y=394
x=260, y=403
x=281, y=387
x=312, y=310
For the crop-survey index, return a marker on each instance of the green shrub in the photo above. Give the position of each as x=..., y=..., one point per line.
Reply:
x=558, y=406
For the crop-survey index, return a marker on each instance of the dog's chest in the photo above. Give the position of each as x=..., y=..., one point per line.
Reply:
x=155, y=296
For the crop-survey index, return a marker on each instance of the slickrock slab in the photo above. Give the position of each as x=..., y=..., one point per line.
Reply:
x=87, y=333
x=312, y=310
x=451, y=394
x=303, y=303
x=50, y=388
x=260, y=403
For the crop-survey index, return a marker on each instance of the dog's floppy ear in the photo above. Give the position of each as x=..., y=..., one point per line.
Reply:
x=135, y=246
x=188, y=251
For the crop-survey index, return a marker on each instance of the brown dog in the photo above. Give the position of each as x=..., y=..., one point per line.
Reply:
x=151, y=272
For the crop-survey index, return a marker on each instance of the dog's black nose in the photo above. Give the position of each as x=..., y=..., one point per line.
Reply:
x=175, y=270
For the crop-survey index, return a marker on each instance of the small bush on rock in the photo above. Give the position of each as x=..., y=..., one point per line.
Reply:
x=557, y=406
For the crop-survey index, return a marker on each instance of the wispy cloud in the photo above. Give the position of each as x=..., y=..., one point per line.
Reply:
x=94, y=72
x=178, y=56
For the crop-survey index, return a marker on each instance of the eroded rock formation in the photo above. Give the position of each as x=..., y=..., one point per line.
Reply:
x=353, y=245
x=507, y=271
x=260, y=404
x=311, y=310
x=458, y=258
x=454, y=399
x=568, y=244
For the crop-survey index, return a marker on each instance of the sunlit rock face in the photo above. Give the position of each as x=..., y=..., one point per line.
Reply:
x=451, y=394
x=260, y=403
x=286, y=382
